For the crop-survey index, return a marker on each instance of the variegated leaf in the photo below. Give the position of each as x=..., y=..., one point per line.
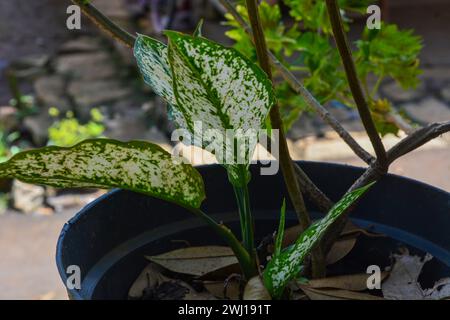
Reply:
x=285, y=266
x=222, y=90
x=152, y=59
x=102, y=163
x=217, y=85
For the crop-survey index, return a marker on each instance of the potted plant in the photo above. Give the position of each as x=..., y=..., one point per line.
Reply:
x=216, y=94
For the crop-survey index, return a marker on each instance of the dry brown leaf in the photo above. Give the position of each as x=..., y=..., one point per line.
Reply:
x=196, y=261
x=291, y=235
x=353, y=282
x=152, y=280
x=440, y=290
x=217, y=289
x=194, y=295
x=150, y=277
x=255, y=290
x=336, y=294
x=403, y=284
x=340, y=250
x=222, y=273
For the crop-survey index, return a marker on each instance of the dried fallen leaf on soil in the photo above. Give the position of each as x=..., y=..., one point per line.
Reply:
x=196, y=261
x=403, y=284
x=222, y=290
x=255, y=290
x=291, y=235
x=336, y=294
x=151, y=284
x=440, y=290
x=351, y=229
x=150, y=277
x=340, y=250
x=221, y=273
x=353, y=282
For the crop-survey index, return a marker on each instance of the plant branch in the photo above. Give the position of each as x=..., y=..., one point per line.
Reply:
x=286, y=163
x=285, y=158
x=417, y=139
x=298, y=87
x=352, y=77
x=316, y=195
x=394, y=117
x=105, y=23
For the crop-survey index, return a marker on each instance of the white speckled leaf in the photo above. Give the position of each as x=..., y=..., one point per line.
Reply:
x=218, y=87
x=152, y=59
x=285, y=266
x=102, y=163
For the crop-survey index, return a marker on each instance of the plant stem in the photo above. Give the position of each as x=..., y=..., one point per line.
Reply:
x=285, y=158
x=394, y=117
x=287, y=166
x=247, y=223
x=352, y=77
x=247, y=264
x=417, y=139
x=375, y=171
x=376, y=87
x=105, y=23
x=298, y=87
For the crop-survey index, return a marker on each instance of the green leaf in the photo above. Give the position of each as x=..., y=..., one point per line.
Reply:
x=152, y=59
x=102, y=163
x=280, y=233
x=285, y=266
x=222, y=90
x=198, y=32
x=390, y=52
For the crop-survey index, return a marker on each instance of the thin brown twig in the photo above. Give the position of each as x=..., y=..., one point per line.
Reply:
x=285, y=159
x=417, y=139
x=316, y=195
x=353, y=81
x=400, y=122
x=286, y=163
x=105, y=24
x=374, y=172
x=299, y=88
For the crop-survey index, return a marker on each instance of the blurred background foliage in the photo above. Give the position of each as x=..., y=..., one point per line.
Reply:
x=303, y=42
x=68, y=131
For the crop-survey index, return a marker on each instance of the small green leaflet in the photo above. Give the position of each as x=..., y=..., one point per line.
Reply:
x=102, y=163
x=280, y=232
x=199, y=29
x=285, y=266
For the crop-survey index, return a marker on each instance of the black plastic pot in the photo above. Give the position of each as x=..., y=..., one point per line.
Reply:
x=109, y=238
